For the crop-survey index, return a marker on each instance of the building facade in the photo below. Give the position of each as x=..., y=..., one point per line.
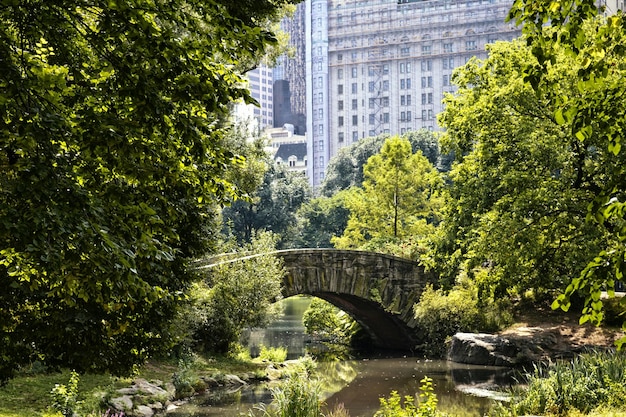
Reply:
x=290, y=75
x=383, y=66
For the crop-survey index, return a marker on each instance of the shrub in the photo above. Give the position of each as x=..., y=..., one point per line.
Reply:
x=440, y=315
x=299, y=396
x=273, y=354
x=65, y=397
x=425, y=407
x=581, y=385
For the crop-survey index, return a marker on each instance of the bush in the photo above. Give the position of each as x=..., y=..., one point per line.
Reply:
x=273, y=354
x=425, y=407
x=299, y=396
x=65, y=397
x=440, y=315
x=324, y=319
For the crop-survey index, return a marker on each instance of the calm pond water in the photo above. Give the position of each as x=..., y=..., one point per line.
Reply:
x=462, y=390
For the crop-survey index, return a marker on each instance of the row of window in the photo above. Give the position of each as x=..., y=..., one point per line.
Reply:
x=470, y=45
x=405, y=100
x=405, y=116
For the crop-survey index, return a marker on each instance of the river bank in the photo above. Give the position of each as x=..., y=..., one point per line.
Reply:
x=29, y=394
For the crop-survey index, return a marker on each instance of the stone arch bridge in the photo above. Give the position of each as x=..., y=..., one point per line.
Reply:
x=377, y=290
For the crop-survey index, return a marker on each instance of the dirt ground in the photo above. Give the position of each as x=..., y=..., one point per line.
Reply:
x=563, y=331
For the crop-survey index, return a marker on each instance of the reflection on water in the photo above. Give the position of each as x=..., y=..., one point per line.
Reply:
x=358, y=384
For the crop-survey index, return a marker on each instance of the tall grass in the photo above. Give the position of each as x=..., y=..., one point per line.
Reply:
x=299, y=396
x=581, y=385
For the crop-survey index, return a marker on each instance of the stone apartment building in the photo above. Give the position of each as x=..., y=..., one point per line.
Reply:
x=383, y=66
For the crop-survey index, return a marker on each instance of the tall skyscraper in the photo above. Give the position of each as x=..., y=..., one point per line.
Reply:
x=290, y=75
x=383, y=66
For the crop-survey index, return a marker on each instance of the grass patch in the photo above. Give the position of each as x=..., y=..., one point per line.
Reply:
x=28, y=395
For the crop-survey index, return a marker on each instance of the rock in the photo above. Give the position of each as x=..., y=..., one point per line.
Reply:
x=143, y=411
x=123, y=403
x=480, y=349
x=233, y=380
x=148, y=388
x=523, y=348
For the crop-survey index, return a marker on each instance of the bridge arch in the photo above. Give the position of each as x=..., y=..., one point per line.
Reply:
x=377, y=290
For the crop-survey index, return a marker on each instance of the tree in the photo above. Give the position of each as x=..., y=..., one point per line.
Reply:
x=346, y=168
x=591, y=113
x=519, y=190
x=113, y=161
x=234, y=296
x=398, y=200
x=321, y=219
x=272, y=206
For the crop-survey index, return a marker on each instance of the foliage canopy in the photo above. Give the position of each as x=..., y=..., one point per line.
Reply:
x=112, y=157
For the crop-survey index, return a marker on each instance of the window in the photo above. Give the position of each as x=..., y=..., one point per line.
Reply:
x=339, y=57
x=355, y=104
x=340, y=89
x=371, y=103
x=430, y=114
x=405, y=50
x=448, y=63
x=430, y=98
x=427, y=65
x=385, y=69
x=402, y=67
x=371, y=86
x=424, y=98
x=470, y=45
x=372, y=119
x=385, y=85
x=403, y=116
x=408, y=67
x=408, y=83
x=371, y=71
x=321, y=129
x=385, y=101
x=340, y=74
x=423, y=114
x=340, y=105
x=340, y=121
x=402, y=84
x=355, y=120
x=354, y=72
x=355, y=136
x=340, y=136
x=426, y=49
x=354, y=88
x=408, y=100
x=447, y=47
x=385, y=117
x=446, y=80
x=403, y=100
x=427, y=81
x=408, y=116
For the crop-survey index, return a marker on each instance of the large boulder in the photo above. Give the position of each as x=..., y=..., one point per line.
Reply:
x=500, y=350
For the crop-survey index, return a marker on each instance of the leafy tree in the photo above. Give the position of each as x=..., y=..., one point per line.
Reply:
x=320, y=219
x=519, y=191
x=346, y=168
x=273, y=206
x=398, y=200
x=234, y=296
x=113, y=160
x=592, y=114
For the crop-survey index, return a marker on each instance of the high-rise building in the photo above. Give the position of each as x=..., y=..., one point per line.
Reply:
x=290, y=75
x=260, y=81
x=383, y=66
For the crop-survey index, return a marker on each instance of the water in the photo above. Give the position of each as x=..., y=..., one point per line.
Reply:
x=462, y=390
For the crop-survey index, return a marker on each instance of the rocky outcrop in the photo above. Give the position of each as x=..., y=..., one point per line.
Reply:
x=142, y=398
x=501, y=350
